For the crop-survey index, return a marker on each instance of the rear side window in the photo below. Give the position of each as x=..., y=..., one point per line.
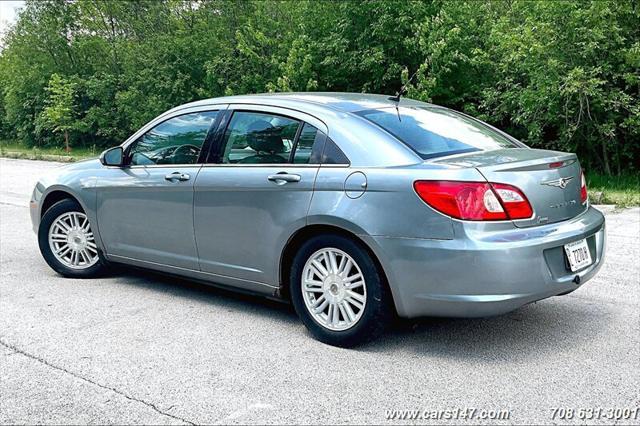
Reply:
x=435, y=132
x=308, y=149
x=264, y=138
x=259, y=138
x=332, y=154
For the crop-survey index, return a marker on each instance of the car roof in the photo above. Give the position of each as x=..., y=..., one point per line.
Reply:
x=337, y=101
x=362, y=142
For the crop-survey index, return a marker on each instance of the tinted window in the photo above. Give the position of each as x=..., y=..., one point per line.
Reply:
x=259, y=138
x=175, y=141
x=309, y=147
x=433, y=132
x=332, y=154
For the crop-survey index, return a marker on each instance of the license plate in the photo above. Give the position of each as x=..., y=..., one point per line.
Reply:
x=578, y=254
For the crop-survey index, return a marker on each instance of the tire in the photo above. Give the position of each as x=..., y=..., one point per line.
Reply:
x=353, y=326
x=90, y=262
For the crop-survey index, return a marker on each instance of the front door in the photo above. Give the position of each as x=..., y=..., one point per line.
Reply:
x=145, y=209
x=254, y=196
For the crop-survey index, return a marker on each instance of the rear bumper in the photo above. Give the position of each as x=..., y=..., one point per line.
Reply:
x=484, y=273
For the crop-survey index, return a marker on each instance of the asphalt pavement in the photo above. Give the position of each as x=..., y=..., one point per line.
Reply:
x=139, y=347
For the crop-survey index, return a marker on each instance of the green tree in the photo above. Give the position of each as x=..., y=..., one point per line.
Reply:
x=60, y=111
x=556, y=74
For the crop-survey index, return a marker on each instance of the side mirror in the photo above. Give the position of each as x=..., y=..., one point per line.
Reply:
x=112, y=156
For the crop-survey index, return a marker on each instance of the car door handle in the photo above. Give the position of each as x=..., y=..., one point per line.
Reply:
x=283, y=177
x=177, y=176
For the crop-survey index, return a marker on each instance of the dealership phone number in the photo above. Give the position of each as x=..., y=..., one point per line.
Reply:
x=595, y=413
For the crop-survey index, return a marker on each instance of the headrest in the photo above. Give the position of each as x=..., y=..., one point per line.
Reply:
x=263, y=137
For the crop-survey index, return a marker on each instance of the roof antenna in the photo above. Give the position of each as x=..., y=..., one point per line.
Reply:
x=399, y=93
x=403, y=88
x=402, y=91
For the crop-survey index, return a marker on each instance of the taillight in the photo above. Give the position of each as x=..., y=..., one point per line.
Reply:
x=513, y=200
x=474, y=200
x=583, y=188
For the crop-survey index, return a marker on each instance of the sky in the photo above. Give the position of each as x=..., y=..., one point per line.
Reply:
x=8, y=13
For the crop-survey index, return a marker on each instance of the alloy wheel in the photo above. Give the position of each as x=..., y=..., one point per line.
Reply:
x=334, y=289
x=72, y=242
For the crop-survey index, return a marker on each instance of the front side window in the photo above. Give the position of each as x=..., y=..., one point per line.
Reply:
x=175, y=141
x=259, y=138
x=434, y=132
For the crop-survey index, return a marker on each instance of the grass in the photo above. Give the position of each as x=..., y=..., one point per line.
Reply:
x=16, y=150
x=623, y=190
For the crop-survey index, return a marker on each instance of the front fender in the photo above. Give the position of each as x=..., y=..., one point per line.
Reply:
x=81, y=188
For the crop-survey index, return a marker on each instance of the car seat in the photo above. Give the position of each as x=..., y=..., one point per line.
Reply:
x=265, y=140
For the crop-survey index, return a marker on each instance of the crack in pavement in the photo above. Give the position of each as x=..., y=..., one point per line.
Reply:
x=77, y=376
x=4, y=203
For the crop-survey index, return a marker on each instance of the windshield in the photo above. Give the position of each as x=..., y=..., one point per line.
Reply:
x=435, y=132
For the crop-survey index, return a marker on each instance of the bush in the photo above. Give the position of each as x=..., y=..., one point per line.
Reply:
x=557, y=75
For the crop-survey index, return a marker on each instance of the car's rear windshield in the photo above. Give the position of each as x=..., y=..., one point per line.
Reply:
x=436, y=132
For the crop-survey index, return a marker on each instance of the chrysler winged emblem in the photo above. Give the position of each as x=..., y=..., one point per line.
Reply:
x=560, y=183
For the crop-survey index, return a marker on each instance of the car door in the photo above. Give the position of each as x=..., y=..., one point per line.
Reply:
x=145, y=208
x=255, y=191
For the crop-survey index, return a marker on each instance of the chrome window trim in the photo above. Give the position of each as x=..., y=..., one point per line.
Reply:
x=337, y=166
x=198, y=165
x=168, y=116
x=254, y=107
x=279, y=165
x=287, y=112
x=300, y=116
x=160, y=166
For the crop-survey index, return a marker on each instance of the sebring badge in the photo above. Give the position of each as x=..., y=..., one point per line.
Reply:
x=560, y=183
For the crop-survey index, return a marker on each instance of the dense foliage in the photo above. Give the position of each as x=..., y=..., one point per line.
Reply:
x=558, y=75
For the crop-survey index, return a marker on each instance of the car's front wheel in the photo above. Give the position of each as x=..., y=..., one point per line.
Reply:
x=338, y=291
x=67, y=242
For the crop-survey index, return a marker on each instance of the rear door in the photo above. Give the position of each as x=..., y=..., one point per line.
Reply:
x=255, y=191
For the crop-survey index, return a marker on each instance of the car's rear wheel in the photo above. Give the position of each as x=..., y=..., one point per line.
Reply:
x=338, y=291
x=67, y=242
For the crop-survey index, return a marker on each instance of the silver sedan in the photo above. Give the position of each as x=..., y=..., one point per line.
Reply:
x=354, y=207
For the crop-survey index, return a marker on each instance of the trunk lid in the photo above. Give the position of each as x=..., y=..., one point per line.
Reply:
x=549, y=179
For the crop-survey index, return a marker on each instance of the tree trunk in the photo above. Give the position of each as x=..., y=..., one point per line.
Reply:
x=66, y=141
x=618, y=160
x=605, y=157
